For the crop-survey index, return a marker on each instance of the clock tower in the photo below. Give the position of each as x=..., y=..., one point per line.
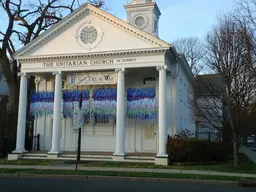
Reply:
x=144, y=14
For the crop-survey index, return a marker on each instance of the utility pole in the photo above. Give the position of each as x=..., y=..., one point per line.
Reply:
x=79, y=132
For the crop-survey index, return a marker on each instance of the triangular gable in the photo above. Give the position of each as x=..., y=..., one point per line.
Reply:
x=117, y=35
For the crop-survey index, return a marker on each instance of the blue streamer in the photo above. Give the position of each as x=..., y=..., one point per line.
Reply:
x=141, y=103
x=104, y=102
x=70, y=96
x=41, y=104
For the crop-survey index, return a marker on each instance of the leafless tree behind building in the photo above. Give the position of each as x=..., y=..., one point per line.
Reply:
x=230, y=55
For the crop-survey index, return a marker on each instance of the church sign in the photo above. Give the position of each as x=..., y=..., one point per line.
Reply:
x=103, y=78
x=83, y=63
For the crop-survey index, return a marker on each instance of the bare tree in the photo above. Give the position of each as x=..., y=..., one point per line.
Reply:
x=230, y=56
x=26, y=20
x=245, y=12
x=209, y=104
x=194, y=51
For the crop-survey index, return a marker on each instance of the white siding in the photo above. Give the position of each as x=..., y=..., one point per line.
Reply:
x=185, y=119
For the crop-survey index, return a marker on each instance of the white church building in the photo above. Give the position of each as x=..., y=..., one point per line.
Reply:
x=135, y=88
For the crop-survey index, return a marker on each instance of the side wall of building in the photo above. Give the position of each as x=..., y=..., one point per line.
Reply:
x=184, y=98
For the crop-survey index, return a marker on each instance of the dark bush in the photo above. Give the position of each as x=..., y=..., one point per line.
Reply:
x=183, y=149
x=1, y=151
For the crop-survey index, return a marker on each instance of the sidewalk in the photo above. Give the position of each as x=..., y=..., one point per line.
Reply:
x=250, y=152
x=171, y=171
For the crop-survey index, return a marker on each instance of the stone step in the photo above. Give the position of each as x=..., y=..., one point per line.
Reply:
x=83, y=159
x=140, y=157
x=31, y=157
x=138, y=161
x=87, y=156
x=109, y=158
x=34, y=155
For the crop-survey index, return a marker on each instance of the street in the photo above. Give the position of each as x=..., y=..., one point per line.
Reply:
x=52, y=184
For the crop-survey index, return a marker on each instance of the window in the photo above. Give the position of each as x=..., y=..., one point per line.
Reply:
x=139, y=21
x=149, y=82
x=101, y=120
x=104, y=120
x=88, y=35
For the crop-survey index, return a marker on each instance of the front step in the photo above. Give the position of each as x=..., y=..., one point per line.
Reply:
x=102, y=158
x=140, y=157
x=87, y=156
x=138, y=161
x=82, y=159
x=33, y=156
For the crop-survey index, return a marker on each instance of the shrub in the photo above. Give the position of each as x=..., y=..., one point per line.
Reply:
x=184, y=134
x=183, y=149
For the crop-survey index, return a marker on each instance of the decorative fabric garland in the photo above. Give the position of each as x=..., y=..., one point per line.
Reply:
x=104, y=103
x=41, y=104
x=141, y=103
x=69, y=96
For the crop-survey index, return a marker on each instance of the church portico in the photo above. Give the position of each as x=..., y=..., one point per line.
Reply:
x=126, y=79
x=120, y=135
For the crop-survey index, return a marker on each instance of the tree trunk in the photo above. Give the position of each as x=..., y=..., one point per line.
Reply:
x=11, y=124
x=235, y=151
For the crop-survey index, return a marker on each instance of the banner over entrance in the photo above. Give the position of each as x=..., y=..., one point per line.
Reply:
x=101, y=78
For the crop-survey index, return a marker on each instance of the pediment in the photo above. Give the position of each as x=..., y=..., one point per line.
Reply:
x=89, y=30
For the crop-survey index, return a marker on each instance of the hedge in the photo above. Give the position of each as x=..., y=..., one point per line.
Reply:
x=182, y=148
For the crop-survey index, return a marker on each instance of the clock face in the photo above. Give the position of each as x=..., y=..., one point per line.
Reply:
x=140, y=21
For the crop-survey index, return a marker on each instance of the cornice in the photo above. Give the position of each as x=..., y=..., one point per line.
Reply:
x=96, y=54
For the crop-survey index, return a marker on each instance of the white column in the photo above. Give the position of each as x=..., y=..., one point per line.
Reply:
x=57, y=115
x=21, y=127
x=120, y=115
x=162, y=120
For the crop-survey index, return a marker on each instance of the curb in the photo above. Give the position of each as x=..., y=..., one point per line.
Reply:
x=247, y=183
x=106, y=169
x=117, y=178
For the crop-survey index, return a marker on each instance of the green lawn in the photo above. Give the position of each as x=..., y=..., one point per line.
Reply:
x=124, y=174
x=246, y=165
x=28, y=162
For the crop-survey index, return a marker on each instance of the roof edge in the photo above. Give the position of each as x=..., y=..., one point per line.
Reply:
x=97, y=54
x=69, y=18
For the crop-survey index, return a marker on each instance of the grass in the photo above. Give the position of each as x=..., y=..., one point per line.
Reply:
x=124, y=174
x=28, y=162
x=246, y=165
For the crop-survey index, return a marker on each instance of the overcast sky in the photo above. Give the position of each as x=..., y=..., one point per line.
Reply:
x=181, y=18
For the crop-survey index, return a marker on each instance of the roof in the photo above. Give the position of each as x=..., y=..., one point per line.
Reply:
x=85, y=8
x=209, y=84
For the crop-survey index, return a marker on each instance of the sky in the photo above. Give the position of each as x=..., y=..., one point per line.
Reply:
x=181, y=18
